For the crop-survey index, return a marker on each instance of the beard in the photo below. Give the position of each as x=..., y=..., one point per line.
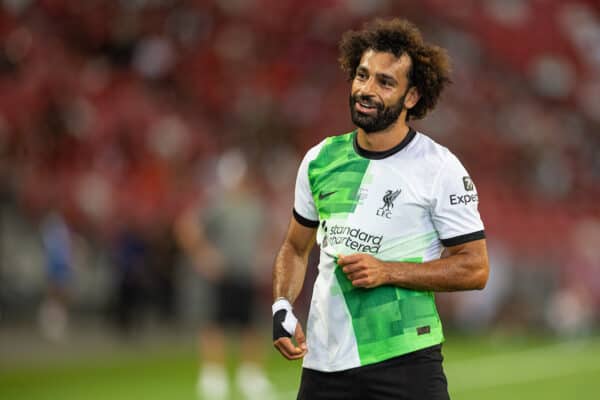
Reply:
x=383, y=118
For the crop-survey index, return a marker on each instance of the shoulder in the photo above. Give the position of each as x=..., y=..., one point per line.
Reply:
x=314, y=151
x=329, y=144
x=430, y=151
x=431, y=162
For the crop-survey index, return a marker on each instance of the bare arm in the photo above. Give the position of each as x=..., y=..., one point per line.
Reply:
x=288, y=277
x=465, y=267
x=290, y=264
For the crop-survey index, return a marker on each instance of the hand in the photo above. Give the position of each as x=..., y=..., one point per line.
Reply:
x=364, y=270
x=287, y=348
x=286, y=326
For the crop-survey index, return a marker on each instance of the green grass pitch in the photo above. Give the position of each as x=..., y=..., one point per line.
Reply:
x=477, y=368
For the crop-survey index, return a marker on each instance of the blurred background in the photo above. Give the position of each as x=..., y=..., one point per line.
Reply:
x=122, y=120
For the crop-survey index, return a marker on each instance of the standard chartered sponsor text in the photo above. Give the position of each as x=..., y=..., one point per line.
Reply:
x=355, y=239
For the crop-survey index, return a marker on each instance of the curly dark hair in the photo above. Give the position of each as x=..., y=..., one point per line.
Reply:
x=430, y=64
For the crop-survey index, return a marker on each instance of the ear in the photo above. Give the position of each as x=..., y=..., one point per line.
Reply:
x=412, y=97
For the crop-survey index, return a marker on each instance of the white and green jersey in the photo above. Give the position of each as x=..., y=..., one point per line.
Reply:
x=404, y=204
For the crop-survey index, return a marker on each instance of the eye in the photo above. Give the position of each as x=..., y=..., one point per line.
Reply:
x=361, y=75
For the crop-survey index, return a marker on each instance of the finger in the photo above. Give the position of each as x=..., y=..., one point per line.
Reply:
x=289, y=356
x=349, y=259
x=351, y=262
x=300, y=338
x=367, y=283
x=352, y=268
x=287, y=348
x=358, y=275
x=284, y=352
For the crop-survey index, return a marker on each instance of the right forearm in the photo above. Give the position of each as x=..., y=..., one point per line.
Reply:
x=289, y=272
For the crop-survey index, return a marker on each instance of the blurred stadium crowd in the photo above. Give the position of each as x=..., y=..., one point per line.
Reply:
x=116, y=116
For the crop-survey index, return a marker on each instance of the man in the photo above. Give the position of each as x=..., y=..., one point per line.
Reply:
x=383, y=202
x=221, y=240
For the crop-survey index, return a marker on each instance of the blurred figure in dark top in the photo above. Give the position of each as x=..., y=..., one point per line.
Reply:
x=132, y=276
x=145, y=259
x=162, y=261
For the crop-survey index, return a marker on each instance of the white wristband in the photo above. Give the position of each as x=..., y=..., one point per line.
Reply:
x=281, y=304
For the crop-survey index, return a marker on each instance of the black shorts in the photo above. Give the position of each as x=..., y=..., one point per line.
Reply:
x=413, y=376
x=235, y=303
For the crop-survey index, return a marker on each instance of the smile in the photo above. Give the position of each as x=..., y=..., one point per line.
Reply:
x=364, y=107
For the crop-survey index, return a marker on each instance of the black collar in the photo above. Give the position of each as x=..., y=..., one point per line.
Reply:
x=379, y=155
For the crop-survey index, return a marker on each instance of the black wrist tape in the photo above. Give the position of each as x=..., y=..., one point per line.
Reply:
x=278, y=330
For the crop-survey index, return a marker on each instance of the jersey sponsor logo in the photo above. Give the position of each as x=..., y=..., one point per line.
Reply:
x=325, y=195
x=468, y=183
x=388, y=203
x=353, y=238
x=456, y=199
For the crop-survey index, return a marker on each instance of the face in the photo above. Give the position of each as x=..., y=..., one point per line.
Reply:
x=381, y=91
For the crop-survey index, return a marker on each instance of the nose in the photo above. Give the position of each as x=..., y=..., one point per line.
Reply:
x=368, y=87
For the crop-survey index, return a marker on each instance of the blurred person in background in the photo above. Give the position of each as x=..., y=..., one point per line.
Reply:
x=382, y=202
x=53, y=313
x=162, y=262
x=132, y=278
x=223, y=240
x=145, y=259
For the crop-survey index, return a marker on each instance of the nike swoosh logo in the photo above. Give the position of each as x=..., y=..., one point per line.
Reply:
x=324, y=195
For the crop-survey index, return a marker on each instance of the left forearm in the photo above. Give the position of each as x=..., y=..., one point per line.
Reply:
x=456, y=272
x=465, y=267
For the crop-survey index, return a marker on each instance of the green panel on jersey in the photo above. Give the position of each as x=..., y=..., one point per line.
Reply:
x=387, y=319
x=409, y=248
x=335, y=176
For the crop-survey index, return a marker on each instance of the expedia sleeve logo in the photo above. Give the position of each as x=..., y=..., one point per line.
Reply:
x=457, y=199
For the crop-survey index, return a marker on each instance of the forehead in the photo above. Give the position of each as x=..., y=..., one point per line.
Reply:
x=387, y=63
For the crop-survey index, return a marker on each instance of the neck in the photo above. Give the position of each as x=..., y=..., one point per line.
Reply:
x=383, y=140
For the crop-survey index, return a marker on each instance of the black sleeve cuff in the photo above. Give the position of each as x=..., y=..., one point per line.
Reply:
x=462, y=239
x=304, y=221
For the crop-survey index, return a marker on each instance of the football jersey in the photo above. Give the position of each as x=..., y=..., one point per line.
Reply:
x=401, y=205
